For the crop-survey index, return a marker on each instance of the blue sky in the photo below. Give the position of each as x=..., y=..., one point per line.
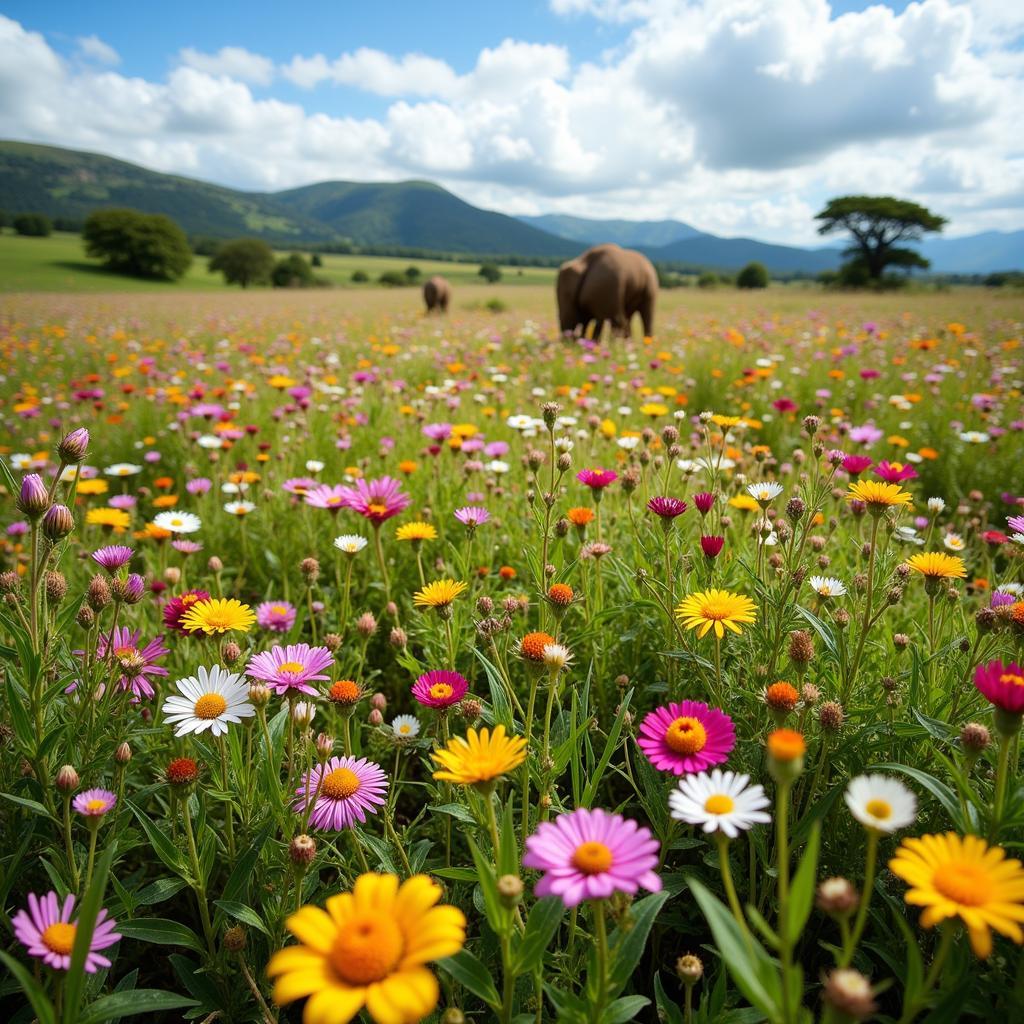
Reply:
x=737, y=116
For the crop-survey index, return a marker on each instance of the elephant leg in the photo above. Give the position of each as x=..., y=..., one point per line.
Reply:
x=646, y=312
x=620, y=325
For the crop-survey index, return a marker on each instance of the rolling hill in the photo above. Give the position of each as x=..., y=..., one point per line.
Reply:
x=642, y=234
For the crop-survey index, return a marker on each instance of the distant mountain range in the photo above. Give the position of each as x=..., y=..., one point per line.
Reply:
x=70, y=184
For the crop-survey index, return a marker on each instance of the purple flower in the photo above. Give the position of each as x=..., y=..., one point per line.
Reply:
x=138, y=664
x=277, y=616
x=868, y=434
x=200, y=485
x=289, y=668
x=440, y=688
x=472, y=516
x=47, y=932
x=33, y=499
x=74, y=446
x=342, y=791
x=1015, y=523
x=686, y=737
x=705, y=502
x=113, y=557
x=597, y=479
x=667, y=508
x=94, y=803
x=123, y=501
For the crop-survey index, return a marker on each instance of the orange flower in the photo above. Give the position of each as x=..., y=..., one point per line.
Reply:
x=165, y=501
x=163, y=483
x=345, y=692
x=580, y=516
x=532, y=645
x=506, y=572
x=560, y=594
x=781, y=696
x=786, y=745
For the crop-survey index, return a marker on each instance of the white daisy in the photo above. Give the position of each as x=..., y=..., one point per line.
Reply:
x=303, y=713
x=239, y=508
x=1018, y=538
x=498, y=467
x=314, y=466
x=178, y=522
x=628, y=443
x=122, y=469
x=557, y=657
x=519, y=422
x=405, y=727
x=1016, y=589
x=936, y=505
x=719, y=801
x=908, y=535
x=827, y=586
x=350, y=543
x=765, y=491
x=208, y=700
x=974, y=437
x=210, y=442
x=953, y=542
x=880, y=802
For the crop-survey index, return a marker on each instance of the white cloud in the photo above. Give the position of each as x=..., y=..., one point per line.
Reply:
x=232, y=62
x=93, y=48
x=738, y=116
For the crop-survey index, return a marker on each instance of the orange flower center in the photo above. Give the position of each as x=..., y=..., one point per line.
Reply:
x=345, y=691
x=95, y=805
x=533, y=645
x=279, y=609
x=59, y=938
x=340, y=784
x=291, y=668
x=367, y=949
x=719, y=804
x=1011, y=679
x=686, y=736
x=125, y=652
x=210, y=705
x=377, y=509
x=879, y=809
x=441, y=691
x=334, y=500
x=592, y=858
x=967, y=884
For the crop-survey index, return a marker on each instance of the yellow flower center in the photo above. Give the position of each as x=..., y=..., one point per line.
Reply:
x=368, y=947
x=334, y=500
x=125, y=652
x=291, y=668
x=879, y=809
x=1011, y=679
x=279, y=609
x=176, y=521
x=686, y=736
x=340, y=784
x=377, y=509
x=95, y=805
x=59, y=938
x=441, y=691
x=403, y=729
x=210, y=705
x=825, y=590
x=716, y=610
x=592, y=858
x=967, y=884
x=719, y=804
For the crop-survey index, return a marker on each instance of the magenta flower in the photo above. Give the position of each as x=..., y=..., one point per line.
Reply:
x=334, y=499
x=868, y=434
x=277, y=616
x=176, y=607
x=686, y=737
x=1015, y=523
x=47, y=931
x=94, y=803
x=33, y=499
x=199, y=485
x=1002, y=685
x=289, y=668
x=856, y=464
x=342, y=791
x=438, y=431
x=589, y=855
x=377, y=500
x=712, y=545
x=1000, y=599
x=113, y=557
x=597, y=479
x=440, y=688
x=894, y=472
x=472, y=516
x=667, y=508
x=705, y=502
x=138, y=663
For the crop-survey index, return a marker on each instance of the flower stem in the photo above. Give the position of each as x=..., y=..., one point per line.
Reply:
x=850, y=947
x=722, y=842
x=601, y=942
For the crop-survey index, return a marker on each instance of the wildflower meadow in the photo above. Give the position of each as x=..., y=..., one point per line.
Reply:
x=361, y=665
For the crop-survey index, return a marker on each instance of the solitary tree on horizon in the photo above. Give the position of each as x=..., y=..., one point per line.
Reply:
x=878, y=224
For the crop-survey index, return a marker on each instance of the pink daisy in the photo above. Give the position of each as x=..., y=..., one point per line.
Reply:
x=300, y=485
x=596, y=479
x=588, y=855
x=94, y=803
x=47, y=932
x=686, y=737
x=343, y=790
x=333, y=498
x=377, y=500
x=290, y=668
x=277, y=616
x=440, y=688
x=894, y=472
x=1001, y=684
x=138, y=663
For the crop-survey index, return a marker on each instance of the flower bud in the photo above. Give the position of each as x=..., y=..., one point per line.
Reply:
x=901, y=641
x=332, y=641
x=310, y=569
x=453, y=1015
x=302, y=850
x=259, y=695
x=57, y=523
x=837, y=897
x=375, y=718
x=56, y=587
x=85, y=617
x=73, y=447
x=230, y=652
x=10, y=582
x=849, y=992
x=67, y=779
x=214, y=564
x=831, y=716
x=366, y=625
x=510, y=890
x=690, y=969
x=98, y=595
x=324, y=746
x=234, y=939
x=123, y=754
x=470, y=709
x=33, y=500
x=398, y=638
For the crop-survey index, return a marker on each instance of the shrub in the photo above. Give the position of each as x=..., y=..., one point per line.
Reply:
x=292, y=272
x=490, y=272
x=360, y=277
x=707, y=280
x=33, y=225
x=412, y=274
x=138, y=244
x=753, y=275
x=495, y=305
x=315, y=260
x=393, y=279
x=244, y=261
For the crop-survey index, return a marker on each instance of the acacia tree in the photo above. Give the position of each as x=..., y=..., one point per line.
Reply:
x=878, y=224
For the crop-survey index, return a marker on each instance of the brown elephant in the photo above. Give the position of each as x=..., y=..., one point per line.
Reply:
x=436, y=293
x=609, y=283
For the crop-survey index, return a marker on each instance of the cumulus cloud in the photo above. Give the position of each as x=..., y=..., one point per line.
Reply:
x=93, y=48
x=738, y=116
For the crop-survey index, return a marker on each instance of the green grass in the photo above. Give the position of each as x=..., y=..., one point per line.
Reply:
x=59, y=264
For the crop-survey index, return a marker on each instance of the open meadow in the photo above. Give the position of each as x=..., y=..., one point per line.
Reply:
x=440, y=668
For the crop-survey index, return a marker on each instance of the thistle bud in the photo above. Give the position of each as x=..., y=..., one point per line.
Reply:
x=73, y=447
x=67, y=779
x=837, y=897
x=302, y=850
x=98, y=595
x=310, y=569
x=549, y=412
x=33, y=500
x=366, y=625
x=10, y=582
x=690, y=969
x=234, y=939
x=214, y=564
x=510, y=890
x=57, y=523
x=375, y=718
x=85, y=617
x=398, y=638
x=123, y=754
x=900, y=641
x=324, y=746
x=56, y=587
x=332, y=641
x=849, y=992
x=259, y=695
x=230, y=652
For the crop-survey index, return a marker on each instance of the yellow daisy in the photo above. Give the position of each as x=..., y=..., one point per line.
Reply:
x=938, y=565
x=438, y=594
x=962, y=876
x=368, y=949
x=416, y=532
x=110, y=518
x=877, y=495
x=94, y=486
x=218, y=615
x=481, y=757
x=718, y=609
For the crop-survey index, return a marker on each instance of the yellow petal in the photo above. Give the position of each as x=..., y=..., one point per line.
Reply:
x=296, y=984
x=335, y=1005
x=311, y=926
x=294, y=958
x=981, y=941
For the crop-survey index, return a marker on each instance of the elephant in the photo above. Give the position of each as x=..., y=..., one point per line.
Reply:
x=609, y=283
x=436, y=293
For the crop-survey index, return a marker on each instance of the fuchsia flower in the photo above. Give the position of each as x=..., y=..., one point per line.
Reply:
x=289, y=668
x=377, y=500
x=343, y=790
x=440, y=688
x=686, y=737
x=589, y=855
x=47, y=932
x=472, y=516
x=138, y=664
x=712, y=545
x=1002, y=685
x=597, y=479
x=667, y=508
x=94, y=803
x=113, y=557
x=334, y=499
x=177, y=606
x=277, y=616
x=856, y=464
x=894, y=472
x=705, y=502
x=868, y=434
x=1015, y=523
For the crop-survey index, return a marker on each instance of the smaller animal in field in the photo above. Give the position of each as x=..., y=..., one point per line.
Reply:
x=606, y=283
x=436, y=294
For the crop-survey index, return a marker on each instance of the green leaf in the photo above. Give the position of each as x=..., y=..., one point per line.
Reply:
x=85, y=925
x=500, y=706
x=32, y=805
x=541, y=926
x=801, y=893
x=938, y=789
x=609, y=748
x=624, y=1010
x=498, y=917
x=380, y=849
x=41, y=1005
x=241, y=873
x=667, y=1009
x=158, y=891
x=457, y=811
x=629, y=947
x=162, y=932
x=472, y=975
x=822, y=629
x=159, y=840
x=240, y=912
x=508, y=851
x=128, y=1004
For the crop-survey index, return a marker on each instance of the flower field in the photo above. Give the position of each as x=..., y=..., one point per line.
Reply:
x=359, y=665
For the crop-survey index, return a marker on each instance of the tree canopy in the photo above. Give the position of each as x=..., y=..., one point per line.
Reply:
x=244, y=261
x=139, y=244
x=878, y=224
